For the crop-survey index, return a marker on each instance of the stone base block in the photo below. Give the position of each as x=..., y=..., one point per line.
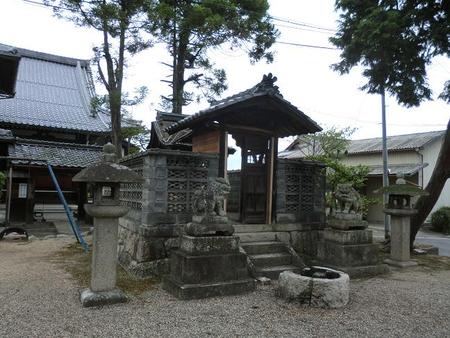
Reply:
x=206, y=267
x=348, y=236
x=400, y=264
x=335, y=254
x=344, y=224
x=205, y=290
x=91, y=298
x=200, y=269
x=209, y=245
x=205, y=229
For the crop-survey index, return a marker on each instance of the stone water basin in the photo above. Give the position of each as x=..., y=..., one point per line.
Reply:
x=315, y=286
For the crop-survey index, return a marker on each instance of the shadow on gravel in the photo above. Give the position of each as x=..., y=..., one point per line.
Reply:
x=78, y=264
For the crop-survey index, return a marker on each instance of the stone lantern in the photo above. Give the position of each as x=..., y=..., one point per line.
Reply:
x=400, y=209
x=105, y=177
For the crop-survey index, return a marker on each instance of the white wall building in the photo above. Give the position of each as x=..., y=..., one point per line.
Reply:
x=415, y=155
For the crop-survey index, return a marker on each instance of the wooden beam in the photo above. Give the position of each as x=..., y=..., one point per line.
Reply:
x=9, y=193
x=270, y=167
x=223, y=153
x=274, y=184
x=244, y=129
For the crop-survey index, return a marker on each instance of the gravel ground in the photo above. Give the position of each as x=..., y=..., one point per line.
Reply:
x=39, y=299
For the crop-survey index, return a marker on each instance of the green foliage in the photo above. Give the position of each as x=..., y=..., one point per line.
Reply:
x=120, y=24
x=440, y=220
x=191, y=28
x=139, y=137
x=394, y=41
x=2, y=179
x=331, y=143
x=329, y=147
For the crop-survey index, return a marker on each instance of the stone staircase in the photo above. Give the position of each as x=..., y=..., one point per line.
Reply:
x=268, y=256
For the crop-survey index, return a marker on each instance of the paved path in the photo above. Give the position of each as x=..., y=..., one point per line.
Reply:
x=424, y=236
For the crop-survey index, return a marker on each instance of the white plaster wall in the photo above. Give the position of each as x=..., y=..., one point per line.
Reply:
x=430, y=155
x=394, y=157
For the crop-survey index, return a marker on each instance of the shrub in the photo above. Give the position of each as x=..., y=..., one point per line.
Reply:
x=440, y=220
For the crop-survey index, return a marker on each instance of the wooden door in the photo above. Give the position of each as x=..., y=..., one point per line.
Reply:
x=254, y=179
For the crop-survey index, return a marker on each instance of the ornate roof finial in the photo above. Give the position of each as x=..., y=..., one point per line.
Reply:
x=267, y=85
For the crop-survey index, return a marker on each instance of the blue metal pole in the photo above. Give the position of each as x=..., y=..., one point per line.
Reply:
x=73, y=224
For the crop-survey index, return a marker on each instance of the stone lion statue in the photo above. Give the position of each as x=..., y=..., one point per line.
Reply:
x=209, y=200
x=348, y=200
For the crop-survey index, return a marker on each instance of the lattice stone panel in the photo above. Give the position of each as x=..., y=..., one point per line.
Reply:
x=234, y=199
x=304, y=189
x=184, y=175
x=131, y=193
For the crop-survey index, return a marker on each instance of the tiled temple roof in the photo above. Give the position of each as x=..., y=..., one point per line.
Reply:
x=52, y=92
x=58, y=154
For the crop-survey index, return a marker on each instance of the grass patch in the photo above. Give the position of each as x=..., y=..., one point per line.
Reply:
x=78, y=264
x=433, y=262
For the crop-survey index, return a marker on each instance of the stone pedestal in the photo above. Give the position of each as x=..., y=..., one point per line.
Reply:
x=351, y=251
x=400, y=237
x=346, y=221
x=208, y=266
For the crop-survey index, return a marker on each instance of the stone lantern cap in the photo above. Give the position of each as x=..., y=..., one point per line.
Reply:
x=402, y=188
x=107, y=170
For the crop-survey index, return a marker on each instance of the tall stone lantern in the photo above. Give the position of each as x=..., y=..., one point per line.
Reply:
x=400, y=208
x=106, y=177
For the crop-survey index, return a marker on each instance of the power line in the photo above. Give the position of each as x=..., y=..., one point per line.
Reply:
x=302, y=29
x=305, y=45
x=301, y=24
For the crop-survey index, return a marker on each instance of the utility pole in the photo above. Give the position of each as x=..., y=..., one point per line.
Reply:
x=385, y=163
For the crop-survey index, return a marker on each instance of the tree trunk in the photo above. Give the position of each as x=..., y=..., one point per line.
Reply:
x=116, y=134
x=178, y=79
x=434, y=187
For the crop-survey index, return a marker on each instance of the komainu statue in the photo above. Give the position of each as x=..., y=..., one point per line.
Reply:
x=348, y=200
x=209, y=217
x=209, y=201
x=348, y=210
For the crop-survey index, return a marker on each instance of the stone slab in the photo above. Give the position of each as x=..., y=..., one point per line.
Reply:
x=400, y=264
x=347, y=224
x=348, y=236
x=90, y=298
x=204, y=229
x=331, y=253
x=205, y=290
x=200, y=269
x=209, y=245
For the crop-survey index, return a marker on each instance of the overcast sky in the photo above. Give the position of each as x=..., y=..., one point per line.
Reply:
x=304, y=74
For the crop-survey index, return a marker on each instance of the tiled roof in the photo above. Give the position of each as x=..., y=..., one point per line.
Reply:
x=167, y=140
x=394, y=169
x=52, y=92
x=264, y=88
x=394, y=143
x=58, y=154
x=299, y=149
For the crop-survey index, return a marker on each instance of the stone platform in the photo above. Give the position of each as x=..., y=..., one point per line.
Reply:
x=208, y=266
x=352, y=251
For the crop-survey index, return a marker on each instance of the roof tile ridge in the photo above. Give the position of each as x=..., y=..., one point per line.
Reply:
x=56, y=143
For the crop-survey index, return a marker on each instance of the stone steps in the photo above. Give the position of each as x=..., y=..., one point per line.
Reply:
x=255, y=248
x=270, y=258
x=252, y=228
x=259, y=236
